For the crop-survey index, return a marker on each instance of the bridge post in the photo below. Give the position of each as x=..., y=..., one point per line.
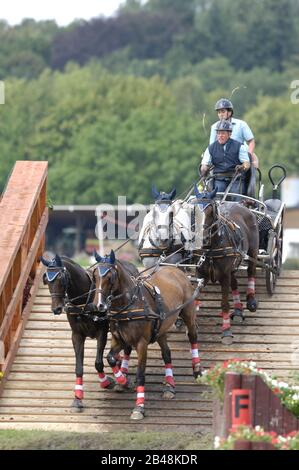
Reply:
x=23, y=221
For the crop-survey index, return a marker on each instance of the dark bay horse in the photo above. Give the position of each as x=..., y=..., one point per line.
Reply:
x=230, y=234
x=72, y=288
x=141, y=313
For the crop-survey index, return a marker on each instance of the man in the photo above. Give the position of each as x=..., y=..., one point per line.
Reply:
x=241, y=131
x=227, y=156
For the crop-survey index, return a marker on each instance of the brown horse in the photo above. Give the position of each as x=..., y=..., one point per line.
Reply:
x=141, y=313
x=230, y=235
x=72, y=289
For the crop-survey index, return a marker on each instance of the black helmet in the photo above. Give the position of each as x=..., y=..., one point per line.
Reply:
x=224, y=125
x=224, y=103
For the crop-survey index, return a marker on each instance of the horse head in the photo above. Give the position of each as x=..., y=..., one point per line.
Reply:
x=56, y=278
x=162, y=228
x=106, y=279
x=205, y=202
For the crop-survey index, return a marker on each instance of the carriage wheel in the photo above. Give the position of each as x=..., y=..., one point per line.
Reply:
x=274, y=262
x=280, y=244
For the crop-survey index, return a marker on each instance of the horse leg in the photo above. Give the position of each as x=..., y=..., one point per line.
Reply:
x=189, y=316
x=78, y=344
x=252, y=303
x=105, y=382
x=138, y=411
x=237, y=314
x=112, y=358
x=169, y=389
x=125, y=360
x=227, y=337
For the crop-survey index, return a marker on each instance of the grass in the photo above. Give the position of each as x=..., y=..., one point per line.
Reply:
x=44, y=440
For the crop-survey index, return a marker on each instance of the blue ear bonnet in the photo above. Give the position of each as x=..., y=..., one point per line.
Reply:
x=53, y=269
x=106, y=264
x=163, y=205
x=103, y=270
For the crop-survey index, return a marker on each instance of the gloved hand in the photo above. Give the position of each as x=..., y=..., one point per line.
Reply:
x=240, y=168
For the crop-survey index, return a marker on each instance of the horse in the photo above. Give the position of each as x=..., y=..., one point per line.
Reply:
x=72, y=288
x=230, y=234
x=141, y=313
x=165, y=230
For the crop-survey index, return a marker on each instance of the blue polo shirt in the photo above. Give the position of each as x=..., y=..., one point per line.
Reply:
x=241, y=131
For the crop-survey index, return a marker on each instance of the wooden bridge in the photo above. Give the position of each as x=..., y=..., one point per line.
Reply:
x=37, y=355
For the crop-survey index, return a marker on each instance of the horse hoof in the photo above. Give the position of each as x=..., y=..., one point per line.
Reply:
x=138, y=413
x=252, y=305
x=197, y=371
x=112, y=384
x=128, y=387
x=227, y=337
x=168, y=392
x=77, y=405
x=237, y=316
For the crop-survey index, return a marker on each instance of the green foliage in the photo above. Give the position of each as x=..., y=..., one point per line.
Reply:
x=25, y=49
x=139, y=111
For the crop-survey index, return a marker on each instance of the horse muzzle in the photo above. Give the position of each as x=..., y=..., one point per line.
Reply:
x=57, y=310
x=102, y=307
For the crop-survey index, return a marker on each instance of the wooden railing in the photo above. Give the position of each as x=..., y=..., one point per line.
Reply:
x=249, y=401
x=23, y=221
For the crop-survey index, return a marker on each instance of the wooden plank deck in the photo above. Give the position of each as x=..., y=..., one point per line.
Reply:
x=39, y=389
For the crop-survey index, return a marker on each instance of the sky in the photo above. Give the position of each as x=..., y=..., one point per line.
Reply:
x=63, y=11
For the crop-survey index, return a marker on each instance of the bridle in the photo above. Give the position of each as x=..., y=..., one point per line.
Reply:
x=212, y=228
x=60, y=272
x=105, y=268
x=53, y=273
x=160, y=203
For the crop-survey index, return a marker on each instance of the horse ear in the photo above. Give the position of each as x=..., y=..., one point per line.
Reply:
x=58, y=261
x=155, y=192
x=112, y=257
x=97, y=256
x=196, y=191
x=212, y=194
x=172, y=194
x=44, y=261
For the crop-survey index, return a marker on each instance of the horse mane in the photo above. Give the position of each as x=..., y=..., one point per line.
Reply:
x=75, y=265
x=127, y=271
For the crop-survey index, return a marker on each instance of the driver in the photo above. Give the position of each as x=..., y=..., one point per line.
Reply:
x=241, y=131
x=227, y=156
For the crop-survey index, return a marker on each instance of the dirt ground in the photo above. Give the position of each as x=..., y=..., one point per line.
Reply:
x=43, y=440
